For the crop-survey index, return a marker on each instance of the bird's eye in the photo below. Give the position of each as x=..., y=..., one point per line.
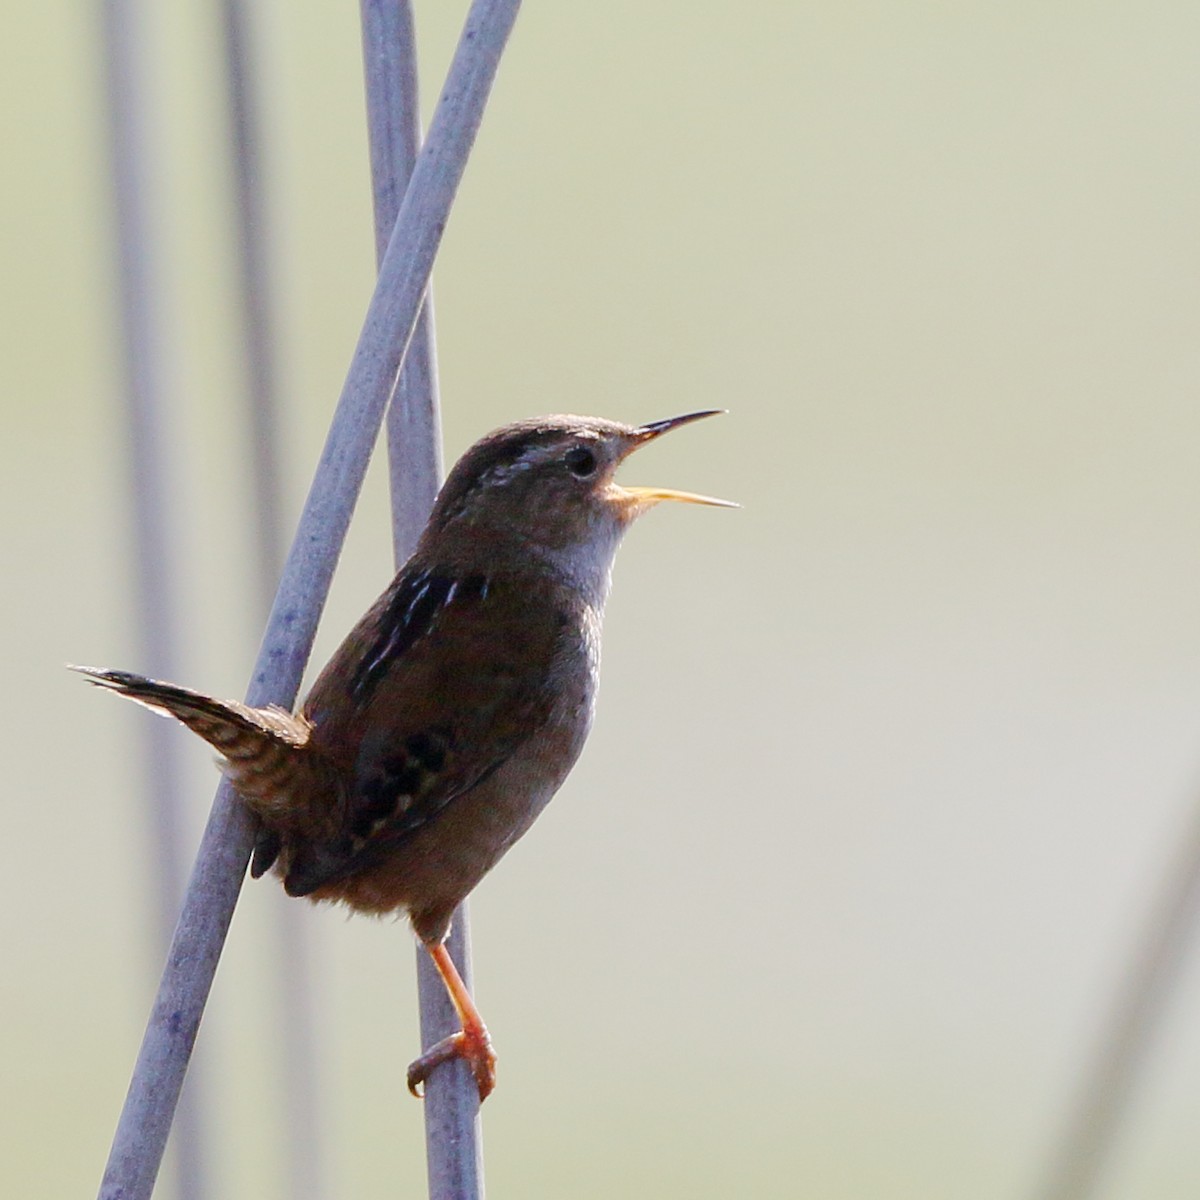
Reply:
x=580, y=462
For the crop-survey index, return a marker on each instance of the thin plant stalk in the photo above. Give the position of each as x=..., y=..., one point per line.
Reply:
x=144, y=361
x=414, y=434
x=294, y=1001
x=229, y=835
x=254, y=277
x=453, y=1136
x=1109, y=1080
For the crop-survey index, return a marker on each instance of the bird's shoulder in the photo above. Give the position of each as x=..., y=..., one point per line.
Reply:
x=442, y=634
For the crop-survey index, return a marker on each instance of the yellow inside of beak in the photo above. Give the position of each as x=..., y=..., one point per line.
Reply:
x=645, y=497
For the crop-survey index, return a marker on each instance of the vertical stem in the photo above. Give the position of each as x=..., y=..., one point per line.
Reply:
x=254, y=284
x=414, y=436
x=453, y=1136
x=1108, y=1082
x=294, y=975
x=225, y=849
x=143, y=357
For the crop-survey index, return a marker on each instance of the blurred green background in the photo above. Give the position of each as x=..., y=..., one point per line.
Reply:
x=888, y=766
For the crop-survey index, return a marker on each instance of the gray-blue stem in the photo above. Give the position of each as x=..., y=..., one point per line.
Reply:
x=220, y=866
x=146, y=386
x=1107, y=1087
x=304, y=1168
x=453, y=1137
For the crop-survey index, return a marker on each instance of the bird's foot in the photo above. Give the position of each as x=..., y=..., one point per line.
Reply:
x=473, y=1045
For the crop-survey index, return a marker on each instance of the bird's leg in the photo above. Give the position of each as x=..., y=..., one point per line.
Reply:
x=471, y=1043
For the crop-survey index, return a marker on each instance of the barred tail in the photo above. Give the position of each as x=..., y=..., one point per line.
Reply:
x=263, y=748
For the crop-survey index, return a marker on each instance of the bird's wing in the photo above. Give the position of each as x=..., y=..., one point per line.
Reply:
x=438, y=685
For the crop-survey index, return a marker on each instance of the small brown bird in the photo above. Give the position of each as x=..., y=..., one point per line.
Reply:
x=456, y=707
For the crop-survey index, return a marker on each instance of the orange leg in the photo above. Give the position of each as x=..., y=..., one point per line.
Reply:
x=471, y=1043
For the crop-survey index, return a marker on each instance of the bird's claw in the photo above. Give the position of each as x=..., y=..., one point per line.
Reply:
x=472, y=1045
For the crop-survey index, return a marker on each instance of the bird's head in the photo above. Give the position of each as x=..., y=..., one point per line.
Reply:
x=546, y=487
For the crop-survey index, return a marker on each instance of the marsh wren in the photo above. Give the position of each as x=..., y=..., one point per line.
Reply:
x=456, y=707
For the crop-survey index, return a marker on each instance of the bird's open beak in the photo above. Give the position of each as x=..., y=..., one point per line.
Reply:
x=635, y=500
x=648, y=433
x=644, y=497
